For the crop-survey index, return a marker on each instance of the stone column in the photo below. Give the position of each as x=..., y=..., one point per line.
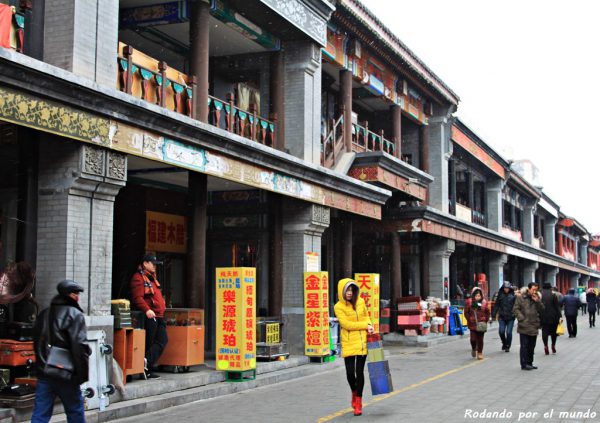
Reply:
x=81, y=36
x=396, y=112
x=77, y=188
x=396, y=277
x=574, y=280
x=346, y=228
x=583, y=252
x=196, y=275
x=496, y=276
x=551, y=276
x=529, y=272
x=303, y=226
x=435, y=154
x=528, y=223
x=550, y=234
x=346, y=106
x=277, y=97
x=199, y=56
x=303, y=110
x=440, y=251
x=33, y=33
x=276, y=262
x=452, y=187
x=494, y=204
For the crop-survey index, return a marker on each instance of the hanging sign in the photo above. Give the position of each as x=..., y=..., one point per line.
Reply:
x=368, y=283
x=236, y=318
x=316, y=314
x=165, y=233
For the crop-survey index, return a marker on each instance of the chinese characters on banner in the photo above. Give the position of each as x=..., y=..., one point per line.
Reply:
x=316, y=314
x=368, y=283
x=166, y=233
x=236, y=318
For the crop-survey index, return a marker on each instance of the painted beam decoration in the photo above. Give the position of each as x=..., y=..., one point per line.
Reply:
x=316, y=314
x=236, y=318
x=379, y=174
x=375, y=76
x=465, y=142
x=49, y=116
x=368, y=283
x=166, y=233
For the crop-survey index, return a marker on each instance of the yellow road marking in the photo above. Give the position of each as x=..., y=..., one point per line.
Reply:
x=399, y=391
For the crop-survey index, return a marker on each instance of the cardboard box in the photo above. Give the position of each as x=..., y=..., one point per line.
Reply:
x=410, y=320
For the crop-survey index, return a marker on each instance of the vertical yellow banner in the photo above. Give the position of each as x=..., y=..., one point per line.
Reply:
x=236, y=318
x=369, y=291
x=316, y=314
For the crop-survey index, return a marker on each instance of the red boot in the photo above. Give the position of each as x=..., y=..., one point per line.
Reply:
x=358, y=406
x=353, y=398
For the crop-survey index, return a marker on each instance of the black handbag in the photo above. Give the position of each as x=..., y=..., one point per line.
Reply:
x=59, y=363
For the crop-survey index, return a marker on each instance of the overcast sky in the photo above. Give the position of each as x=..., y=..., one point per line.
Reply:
x=528, y=76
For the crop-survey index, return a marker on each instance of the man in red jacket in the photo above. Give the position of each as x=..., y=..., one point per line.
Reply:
x=146, y=296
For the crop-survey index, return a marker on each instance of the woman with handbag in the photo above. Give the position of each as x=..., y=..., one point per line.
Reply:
x=477, y=315
x=550, y=317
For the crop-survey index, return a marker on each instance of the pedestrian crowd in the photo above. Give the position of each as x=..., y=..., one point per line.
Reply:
x=533, y=310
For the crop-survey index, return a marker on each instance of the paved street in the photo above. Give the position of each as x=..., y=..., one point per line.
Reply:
x=439, y=384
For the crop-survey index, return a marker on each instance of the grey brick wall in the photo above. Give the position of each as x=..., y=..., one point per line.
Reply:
x=439, y=151
x=440, y=251
x=81, y=36
x=303, y=100
x=411, y=143
x=75, y=226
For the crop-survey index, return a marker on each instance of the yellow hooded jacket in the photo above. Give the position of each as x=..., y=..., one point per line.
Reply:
x=353, y=322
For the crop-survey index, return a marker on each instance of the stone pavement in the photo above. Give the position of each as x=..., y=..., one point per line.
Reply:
x=439, y=384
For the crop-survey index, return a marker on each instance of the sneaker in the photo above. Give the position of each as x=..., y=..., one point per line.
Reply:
x=507, y=349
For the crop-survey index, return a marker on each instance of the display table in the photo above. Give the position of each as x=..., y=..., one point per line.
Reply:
x=129, y=350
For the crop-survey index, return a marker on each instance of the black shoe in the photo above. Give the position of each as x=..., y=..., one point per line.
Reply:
x=503, y=347
x=507, y=349
x=150, y=375
x=528, y=367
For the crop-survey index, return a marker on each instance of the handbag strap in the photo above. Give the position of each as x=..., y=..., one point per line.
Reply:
x=474, y=312
x=48, y=331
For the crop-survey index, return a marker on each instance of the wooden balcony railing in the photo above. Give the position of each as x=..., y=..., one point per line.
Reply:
x=226, y=115
x=151, y=80
x=365, y=140
x=333, y=144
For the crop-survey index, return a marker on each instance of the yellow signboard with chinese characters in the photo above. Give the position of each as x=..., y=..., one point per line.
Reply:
x=316, y=314
x=368, y=283
x=236, y=318
x=165, y=233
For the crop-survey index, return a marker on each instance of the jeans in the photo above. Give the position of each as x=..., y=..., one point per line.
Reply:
x=505, y=328
x=69, y=393
x=355, y=373
x=572, y=325
x=527, y=348
x=156, y=339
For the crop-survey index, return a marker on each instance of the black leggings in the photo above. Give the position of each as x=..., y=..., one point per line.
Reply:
x=355, y=372
x=549, y=330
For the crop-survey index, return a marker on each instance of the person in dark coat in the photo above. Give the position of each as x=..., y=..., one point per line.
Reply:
x=503, y=307
x=592, y=304
x=527, y=310
x=571, y=304
x=550, y=317
x=61, y=325
x=476, y=310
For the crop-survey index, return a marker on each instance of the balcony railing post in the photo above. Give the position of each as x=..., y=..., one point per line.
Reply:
x=381, y=141
x=191, y=102
x=368, y=138
x=231, y=115
x=162, y=67
x=253, y=124
x=128, y=53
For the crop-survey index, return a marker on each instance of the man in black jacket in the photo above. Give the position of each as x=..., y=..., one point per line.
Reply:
x=61, y=325
x=571, y=304
x=503, y=306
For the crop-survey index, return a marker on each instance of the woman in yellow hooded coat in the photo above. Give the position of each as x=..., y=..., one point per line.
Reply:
x=351, y=312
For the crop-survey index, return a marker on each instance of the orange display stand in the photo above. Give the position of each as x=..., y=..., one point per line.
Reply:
x=129, y=350
x=185, y=347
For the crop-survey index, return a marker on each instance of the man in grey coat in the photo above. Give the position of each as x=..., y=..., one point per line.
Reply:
x=527, y=310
